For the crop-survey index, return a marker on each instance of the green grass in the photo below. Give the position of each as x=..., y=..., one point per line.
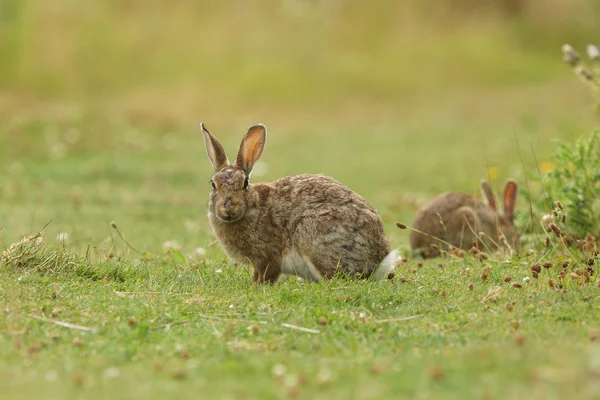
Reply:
x=227, y=337
x=99, y=117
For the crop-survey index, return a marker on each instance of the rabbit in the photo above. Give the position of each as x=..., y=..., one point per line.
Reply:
x=306, y=225
x=460, y=220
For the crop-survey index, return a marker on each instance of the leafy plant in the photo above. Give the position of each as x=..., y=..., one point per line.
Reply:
x=572, y=179
x=575, y=183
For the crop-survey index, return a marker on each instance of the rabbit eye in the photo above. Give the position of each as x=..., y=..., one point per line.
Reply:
x=246, y=183
x=213, y=184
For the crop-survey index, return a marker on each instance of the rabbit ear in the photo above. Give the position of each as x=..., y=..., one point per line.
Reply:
x=214, y=149
x=510, y=198
x=488, y=193
x=252, y=147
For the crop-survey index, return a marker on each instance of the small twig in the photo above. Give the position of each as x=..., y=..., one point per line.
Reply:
x=44, y=227
x=301, y=329
x=231, y=319
x=66, y=324
x=382, y=321
x=114, y=226
x=410, y=228
x=168, y=326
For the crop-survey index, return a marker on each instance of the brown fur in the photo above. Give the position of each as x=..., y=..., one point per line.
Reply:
x=312, y=219
x=459, y=218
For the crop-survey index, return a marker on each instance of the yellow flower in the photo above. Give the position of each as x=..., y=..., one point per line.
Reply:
x=492, y=173
x=546, y=167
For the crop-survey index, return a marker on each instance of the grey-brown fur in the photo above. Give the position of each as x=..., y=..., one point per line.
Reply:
x=299, y=219
x=459, y=219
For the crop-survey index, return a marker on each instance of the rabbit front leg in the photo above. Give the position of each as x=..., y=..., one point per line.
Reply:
x=266, y=273
x=463, y=228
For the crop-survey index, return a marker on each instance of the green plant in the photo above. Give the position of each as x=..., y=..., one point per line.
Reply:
x=574, y=182
x=572, y=179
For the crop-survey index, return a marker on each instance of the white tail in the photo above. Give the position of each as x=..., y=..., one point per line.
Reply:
x=385, y=266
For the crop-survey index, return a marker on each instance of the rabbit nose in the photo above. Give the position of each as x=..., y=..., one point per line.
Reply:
x=227, y=204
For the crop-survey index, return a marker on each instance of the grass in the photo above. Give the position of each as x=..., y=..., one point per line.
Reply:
x=99, y=114
x=227, y=337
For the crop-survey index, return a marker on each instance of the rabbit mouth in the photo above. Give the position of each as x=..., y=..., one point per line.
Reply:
x=228, y=219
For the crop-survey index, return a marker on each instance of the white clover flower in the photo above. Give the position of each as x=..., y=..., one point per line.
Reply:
x=593, y=52
x=171, y=245
x=547, y=219
x=279, y=370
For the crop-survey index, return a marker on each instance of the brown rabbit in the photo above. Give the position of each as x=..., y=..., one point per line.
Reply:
x=462, y=221
x=306, y=225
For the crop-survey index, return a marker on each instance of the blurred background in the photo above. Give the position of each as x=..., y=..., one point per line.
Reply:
x=100, y=102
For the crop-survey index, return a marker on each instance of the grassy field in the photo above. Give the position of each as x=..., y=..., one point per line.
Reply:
x=99, y=113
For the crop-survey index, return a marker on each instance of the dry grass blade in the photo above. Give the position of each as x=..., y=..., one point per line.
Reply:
x=131, y=294
x=301, y=329
x=22, y=249
x=66, y=324
x=168, y=326
x=410, y=228
x=492, y=294
x=383, y=321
